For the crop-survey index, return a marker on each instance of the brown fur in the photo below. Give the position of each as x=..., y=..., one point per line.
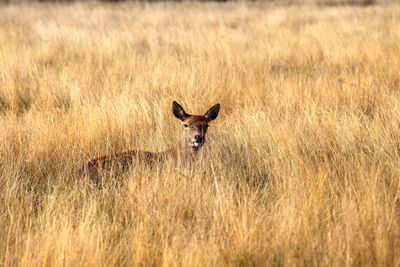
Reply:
x=192, y=139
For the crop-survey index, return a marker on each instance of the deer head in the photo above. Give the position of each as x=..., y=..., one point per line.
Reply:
x=195, y=126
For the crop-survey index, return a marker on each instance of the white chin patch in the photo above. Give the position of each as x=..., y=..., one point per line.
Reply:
x=195, y=144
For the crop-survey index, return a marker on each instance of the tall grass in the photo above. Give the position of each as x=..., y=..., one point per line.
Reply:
x=301, y=167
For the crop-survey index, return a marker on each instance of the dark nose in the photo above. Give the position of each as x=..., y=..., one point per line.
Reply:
x=199, y=139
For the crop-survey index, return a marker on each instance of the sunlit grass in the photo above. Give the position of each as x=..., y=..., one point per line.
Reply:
x=301, y=167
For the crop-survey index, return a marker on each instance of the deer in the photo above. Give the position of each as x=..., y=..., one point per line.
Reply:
x=192, y=139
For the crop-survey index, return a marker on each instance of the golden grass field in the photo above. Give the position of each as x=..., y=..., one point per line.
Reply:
x=302, y=166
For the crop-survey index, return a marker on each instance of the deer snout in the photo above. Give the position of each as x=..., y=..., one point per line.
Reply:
x=199, y=139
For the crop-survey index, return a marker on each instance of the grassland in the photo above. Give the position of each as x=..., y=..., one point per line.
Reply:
x=302, y=167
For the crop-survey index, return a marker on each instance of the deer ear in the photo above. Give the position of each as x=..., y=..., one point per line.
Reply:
x=212, y=113
x=178, y=111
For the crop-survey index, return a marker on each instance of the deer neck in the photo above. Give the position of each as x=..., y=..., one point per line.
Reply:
x=183, y=151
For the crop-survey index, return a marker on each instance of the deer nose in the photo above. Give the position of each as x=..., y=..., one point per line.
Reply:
x=199, y=139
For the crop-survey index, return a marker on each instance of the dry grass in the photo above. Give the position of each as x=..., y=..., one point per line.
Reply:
x=302, y=166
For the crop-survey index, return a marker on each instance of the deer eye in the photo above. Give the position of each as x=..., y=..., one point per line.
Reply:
x=185, y=125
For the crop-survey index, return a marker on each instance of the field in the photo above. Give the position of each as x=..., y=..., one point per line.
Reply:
x=302, y=166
